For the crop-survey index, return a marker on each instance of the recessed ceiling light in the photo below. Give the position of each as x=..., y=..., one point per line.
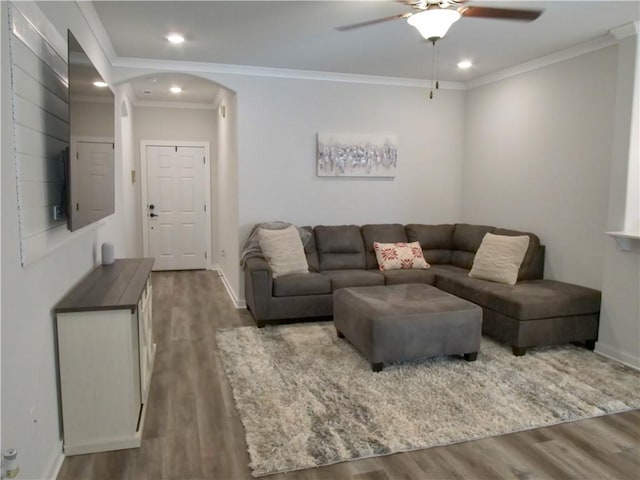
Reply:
x=175, y=89
x=100, y=84
x=464, y=64
x=175, y=38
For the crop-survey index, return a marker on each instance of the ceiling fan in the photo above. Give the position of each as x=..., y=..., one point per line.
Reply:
x=433, y=18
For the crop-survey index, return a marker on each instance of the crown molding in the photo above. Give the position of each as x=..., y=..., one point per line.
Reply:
x=228, y=69
x=556, y=57
x=91, y=16
x=624, y=31
x=169, y=104
x=95, y=25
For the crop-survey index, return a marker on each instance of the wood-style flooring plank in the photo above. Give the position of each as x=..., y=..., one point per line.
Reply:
x=193, y=430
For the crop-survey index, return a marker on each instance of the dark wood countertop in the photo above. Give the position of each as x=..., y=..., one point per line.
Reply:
x=109, y=287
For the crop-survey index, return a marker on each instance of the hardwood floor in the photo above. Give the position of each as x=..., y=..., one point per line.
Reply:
x=192, y=429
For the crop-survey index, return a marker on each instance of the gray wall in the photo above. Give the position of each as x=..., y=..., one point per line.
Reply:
x=29, y=380
x=538, y=157
x=548, y=151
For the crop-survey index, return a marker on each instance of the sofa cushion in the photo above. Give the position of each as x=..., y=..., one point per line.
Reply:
x=353, y=278
x=466, y=240
x=499, y=258
x=283, y=250
x=401, y=255
x=436, y=241
x=526, y=300
x=448, y=271
x=396, y=277
x=382, y=233
x=532, y=250
x=301, y=284
x=340, y=247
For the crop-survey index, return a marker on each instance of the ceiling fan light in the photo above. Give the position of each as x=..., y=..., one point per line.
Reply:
x=434, y=23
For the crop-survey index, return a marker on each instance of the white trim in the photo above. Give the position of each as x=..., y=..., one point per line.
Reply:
x=220, y=95
x=624, y=31
x=55, y=463
x=170, y=104
x=128, y=92
x=615, y=354
x=239, y=304
x=206, y=191
x=90, y=15
x=627, y=241
x=202, y=67
x=556, y=57
x=41, y=24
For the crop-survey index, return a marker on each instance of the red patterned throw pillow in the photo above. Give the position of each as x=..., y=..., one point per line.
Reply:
x=395, y=256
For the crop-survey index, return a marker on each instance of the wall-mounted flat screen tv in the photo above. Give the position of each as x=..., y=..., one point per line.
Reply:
x=89, y=166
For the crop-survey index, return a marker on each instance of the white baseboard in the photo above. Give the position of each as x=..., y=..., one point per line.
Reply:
x=615, y=354
x=239, y=304
x=55, y=463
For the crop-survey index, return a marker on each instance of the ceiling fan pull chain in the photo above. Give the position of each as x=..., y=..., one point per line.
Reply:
x=433, y=63
x=437, y=65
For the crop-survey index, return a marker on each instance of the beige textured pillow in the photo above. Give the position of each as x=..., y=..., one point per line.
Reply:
x=283, y=250
x=499, y=258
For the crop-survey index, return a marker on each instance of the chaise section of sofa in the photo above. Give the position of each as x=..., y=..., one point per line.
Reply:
x=534, y=311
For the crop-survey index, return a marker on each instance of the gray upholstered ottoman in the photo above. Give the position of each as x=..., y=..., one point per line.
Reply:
x=402, y=322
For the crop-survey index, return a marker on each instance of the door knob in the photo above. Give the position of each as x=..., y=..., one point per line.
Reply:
x=152, y=215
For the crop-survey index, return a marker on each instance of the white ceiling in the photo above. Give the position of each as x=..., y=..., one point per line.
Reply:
x=301, y=35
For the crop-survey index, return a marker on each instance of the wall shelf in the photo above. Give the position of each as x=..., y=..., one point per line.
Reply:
x=627, y=242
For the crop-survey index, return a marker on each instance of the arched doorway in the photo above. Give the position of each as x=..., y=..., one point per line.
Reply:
x=165, y=122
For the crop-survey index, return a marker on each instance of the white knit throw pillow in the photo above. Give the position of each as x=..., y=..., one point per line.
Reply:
x=499, y=258
x=283, y=250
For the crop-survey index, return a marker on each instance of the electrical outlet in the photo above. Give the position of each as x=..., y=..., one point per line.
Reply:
x=222, y=253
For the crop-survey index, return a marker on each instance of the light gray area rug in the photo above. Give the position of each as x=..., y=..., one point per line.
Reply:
x=307, y=398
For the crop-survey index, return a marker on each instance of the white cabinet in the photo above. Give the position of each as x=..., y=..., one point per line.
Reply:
x=106, y=354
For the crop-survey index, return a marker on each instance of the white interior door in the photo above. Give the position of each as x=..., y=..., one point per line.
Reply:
x=93, y=181
x=175, y=207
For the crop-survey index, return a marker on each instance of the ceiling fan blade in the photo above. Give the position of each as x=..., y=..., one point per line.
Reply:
x=504, y=13
x=372, y=22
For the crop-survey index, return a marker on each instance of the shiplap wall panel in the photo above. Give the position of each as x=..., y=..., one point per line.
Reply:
x=33, y=66
x=30, y=37
x=37, y=220
x=32, y=116
x=27, y=87
x=40, y=127
x=39, y=169
x=36, y=143
x=36, y=196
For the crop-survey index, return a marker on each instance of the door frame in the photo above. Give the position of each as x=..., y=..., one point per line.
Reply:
x=206, y=190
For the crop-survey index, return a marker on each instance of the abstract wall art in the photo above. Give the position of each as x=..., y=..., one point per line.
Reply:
x=358, y=155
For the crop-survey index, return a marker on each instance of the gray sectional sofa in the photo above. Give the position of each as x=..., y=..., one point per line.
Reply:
x=533, y=312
